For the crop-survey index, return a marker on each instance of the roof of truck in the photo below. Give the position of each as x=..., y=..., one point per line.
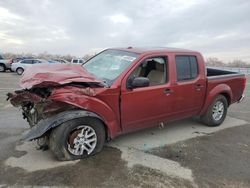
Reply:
x=141, y=50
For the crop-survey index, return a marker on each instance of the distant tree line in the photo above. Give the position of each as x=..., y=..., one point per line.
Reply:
x=212, y=61
x=45, y=55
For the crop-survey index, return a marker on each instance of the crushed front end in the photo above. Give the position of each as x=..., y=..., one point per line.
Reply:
x=36, y=104
x=47, y=91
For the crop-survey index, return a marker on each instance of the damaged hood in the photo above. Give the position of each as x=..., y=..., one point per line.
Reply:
x=45, y=75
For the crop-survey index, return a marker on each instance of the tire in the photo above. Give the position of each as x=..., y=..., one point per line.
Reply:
x=19, y=71
x=216, y=113
x=62, y=139
x=2, y=68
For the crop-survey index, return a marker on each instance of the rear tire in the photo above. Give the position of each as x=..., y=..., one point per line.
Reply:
x=77, y=139
x=216, y=113
x=19, y=71
x=2, y=68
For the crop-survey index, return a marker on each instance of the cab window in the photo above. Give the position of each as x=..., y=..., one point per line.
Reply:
x=186, y=67
x=152, y=68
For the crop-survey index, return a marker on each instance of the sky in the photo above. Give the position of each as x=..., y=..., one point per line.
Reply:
x=216, y=28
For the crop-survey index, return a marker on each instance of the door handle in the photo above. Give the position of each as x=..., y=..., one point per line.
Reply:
x=168, y=91
x=198, y=87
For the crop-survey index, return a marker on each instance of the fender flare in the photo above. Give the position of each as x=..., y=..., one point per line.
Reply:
x=47, y=124
x=218, y=90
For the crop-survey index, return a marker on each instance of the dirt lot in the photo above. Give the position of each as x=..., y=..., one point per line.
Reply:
x=183, y=154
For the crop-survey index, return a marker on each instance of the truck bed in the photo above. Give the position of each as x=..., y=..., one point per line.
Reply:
x=235, y=81
x=215, y=73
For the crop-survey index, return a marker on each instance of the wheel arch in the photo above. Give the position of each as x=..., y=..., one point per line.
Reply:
x=3, y=65
x=227, y=96
x=221, y=89
x=19, y=68
x=46, y=125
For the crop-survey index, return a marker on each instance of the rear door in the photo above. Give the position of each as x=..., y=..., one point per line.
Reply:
x=35, y=61
x=190, y=84
x=147, y=106
x=26, y=63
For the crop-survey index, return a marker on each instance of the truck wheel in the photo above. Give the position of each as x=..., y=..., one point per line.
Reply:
x=77, y=139
x=216, y=113
x=2, y=68
x=19, y=71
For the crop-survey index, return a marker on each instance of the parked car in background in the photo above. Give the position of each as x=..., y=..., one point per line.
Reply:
x=15, y=60
x=20, y=66
x=77, y=61
x=61, y=61
x=119, y=91
x=53, y=61
x=5, y=64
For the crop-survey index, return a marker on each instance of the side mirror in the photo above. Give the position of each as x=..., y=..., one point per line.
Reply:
x=139, y=82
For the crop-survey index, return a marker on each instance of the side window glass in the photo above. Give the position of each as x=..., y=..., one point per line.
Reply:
x=27, y=61
x=36, y=62
x=186, y=67
x=152, y=68
x=194, y=66
x=182, y=68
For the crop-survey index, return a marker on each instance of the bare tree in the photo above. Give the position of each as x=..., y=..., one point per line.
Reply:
x=210, y=61
x=88, y=56
x=213, y=61
x=239, y=63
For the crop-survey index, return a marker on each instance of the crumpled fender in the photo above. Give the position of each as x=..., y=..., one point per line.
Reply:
x=92, y=104
x=46, y=124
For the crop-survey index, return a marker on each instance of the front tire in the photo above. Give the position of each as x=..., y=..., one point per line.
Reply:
x=216, y=113
x=77, y=139
x=19, y=71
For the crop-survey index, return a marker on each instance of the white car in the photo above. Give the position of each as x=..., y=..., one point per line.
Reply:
x=77, y=61
x=20, y=66
x=60, y=61
x=4, y=64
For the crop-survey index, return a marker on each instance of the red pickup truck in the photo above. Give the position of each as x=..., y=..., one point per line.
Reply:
x=74, y=109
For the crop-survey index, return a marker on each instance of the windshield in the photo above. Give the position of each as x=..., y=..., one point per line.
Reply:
x=109, y=64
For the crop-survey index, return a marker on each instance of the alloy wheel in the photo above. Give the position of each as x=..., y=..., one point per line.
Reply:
x=82, y=140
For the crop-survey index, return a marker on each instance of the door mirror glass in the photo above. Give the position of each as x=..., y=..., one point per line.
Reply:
x=139, y=82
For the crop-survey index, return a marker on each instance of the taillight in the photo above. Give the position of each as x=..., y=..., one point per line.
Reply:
x=11, y=61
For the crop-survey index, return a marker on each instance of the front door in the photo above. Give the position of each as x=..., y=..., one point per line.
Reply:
x=146, y=106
